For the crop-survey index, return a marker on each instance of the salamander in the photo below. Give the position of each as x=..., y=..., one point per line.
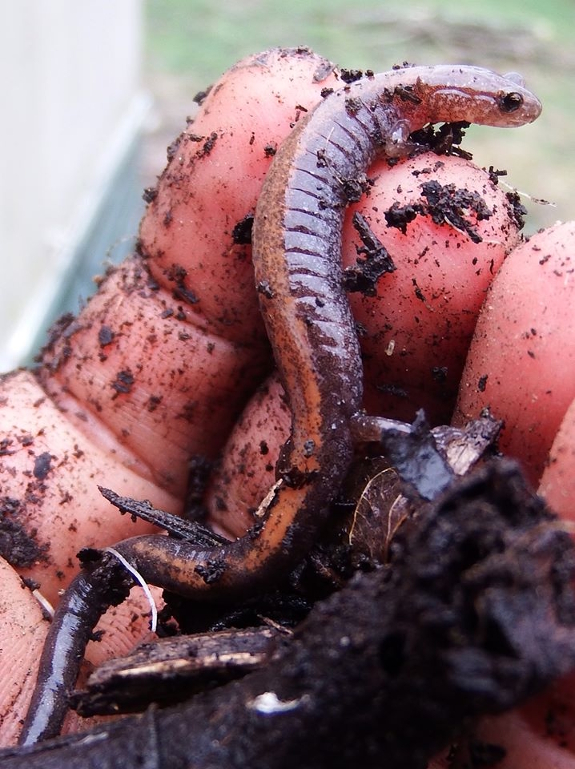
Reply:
x=297, y=236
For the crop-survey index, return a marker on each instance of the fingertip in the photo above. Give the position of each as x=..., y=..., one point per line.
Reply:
x=521, y=363
x=22, y=632
x=558, y=480
x=447, y=227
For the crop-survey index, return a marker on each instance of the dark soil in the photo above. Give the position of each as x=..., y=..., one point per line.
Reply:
x=475, y=613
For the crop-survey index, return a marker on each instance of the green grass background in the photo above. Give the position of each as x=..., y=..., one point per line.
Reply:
x=190, y=42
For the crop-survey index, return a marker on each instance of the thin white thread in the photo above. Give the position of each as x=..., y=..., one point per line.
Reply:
x=522, y=194
x=142, y=582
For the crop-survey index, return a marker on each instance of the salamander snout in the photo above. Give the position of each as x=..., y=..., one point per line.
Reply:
x=475, y=95
x=518, y=106
x=515, y=102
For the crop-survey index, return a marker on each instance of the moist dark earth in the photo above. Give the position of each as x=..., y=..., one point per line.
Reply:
x=474, y=613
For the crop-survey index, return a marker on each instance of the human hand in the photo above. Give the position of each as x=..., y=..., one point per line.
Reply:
x=136, y=408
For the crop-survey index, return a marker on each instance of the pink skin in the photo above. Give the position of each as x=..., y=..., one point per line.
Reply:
x=558, y=479
x=531, y=306
x=138, y=442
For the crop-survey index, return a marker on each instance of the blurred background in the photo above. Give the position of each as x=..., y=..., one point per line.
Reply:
x=94, y=91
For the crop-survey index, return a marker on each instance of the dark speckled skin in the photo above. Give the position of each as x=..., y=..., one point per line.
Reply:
x=297, y=250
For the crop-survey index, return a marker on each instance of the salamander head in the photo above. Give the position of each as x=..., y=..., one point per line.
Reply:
x=453, y=93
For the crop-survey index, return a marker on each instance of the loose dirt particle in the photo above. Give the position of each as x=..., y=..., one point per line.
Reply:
x=17, y=545
x=123, y=382
x=42, y=465
x=105, y=336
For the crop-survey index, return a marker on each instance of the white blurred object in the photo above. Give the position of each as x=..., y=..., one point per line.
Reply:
x=72, y=110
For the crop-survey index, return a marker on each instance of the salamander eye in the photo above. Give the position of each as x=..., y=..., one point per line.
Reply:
x=510, y=102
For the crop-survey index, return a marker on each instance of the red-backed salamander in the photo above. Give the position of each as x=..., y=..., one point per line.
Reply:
x=297, y=260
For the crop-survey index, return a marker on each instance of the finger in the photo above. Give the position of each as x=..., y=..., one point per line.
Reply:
x=542, y=733
x=558, y=480
x=534, y=741
x=525, y=349
x=522, y=361
x=213, y=182
x=448, y=227
x=22, y=633
x=246, y=470
x=519, y=741
x=50, y=473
